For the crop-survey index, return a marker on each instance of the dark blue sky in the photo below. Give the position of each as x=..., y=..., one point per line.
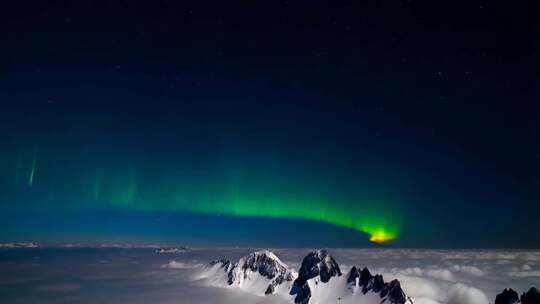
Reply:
x=219, y=122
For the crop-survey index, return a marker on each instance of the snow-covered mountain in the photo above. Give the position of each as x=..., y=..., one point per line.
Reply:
x=319, y=280
x=363, y=282
x=260, y=272
x=317, y=266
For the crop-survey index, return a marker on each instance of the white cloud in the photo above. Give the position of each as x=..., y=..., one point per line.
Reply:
x=524, y=274
x=438, y=273
x=472, y=270
x=428, y=290
x=450, y=276
x=180, y=265
x=428, y=276
x=462, y=294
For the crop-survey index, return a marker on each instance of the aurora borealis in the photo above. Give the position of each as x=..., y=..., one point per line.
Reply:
x=119, y=187
x=244, y=124
x=225, y=172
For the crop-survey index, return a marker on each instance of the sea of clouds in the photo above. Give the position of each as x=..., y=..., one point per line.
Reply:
x=440, y=276
x=449, y=276
x=131, y=275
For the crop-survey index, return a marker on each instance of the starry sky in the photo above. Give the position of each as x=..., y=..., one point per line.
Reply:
x=273, y=123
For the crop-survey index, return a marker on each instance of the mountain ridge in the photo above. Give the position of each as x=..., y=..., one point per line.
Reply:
x=319, y=279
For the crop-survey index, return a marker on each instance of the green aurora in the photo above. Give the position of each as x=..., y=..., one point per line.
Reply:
x=118, y=187
x=380, y=228
x=365, y=215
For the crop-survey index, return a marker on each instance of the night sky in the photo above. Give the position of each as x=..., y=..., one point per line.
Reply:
x=273, y=123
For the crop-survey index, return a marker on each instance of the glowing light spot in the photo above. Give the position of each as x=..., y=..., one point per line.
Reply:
x=381, y=236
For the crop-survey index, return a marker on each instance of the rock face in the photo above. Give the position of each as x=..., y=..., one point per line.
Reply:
x=507, y=296
x=260, y=264
x=531, y=297
x=319, y=280
x=316, y=264
x=510, y=296
x=365, y=282
x=320, y=267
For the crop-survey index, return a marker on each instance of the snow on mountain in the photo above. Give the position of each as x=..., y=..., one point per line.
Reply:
x=317, y=266
x=260, y=272
x=319, y=280
x=363, y=282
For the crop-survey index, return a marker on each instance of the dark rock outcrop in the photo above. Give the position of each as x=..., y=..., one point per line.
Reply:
x=302, y=292
x=366, y=282
x=531, y=297
x=317, y=269
x=510, y=296
x=353, y=275
x=395, y=293
x=316, y=264
x=507, y=296
x=378, y=283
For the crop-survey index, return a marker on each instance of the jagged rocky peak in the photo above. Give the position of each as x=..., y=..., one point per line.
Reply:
x=507, y=296
x=531, y=297
x=318, y=263
x=264, y=264
x=510, y=296
x=363, y=281
x=395, y=293
x=319, y=279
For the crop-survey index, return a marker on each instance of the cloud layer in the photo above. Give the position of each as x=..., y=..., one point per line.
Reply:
x=139, y=275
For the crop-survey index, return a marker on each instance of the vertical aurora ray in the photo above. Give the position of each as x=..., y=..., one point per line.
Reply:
x=122, y=188
x=32, y=173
